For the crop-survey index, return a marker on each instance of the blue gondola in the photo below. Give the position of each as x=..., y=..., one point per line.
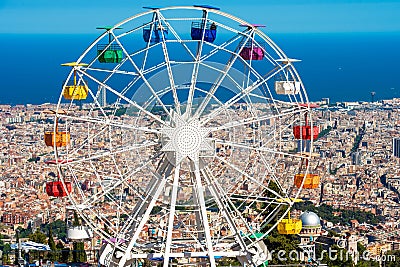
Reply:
x=155, y=35
x=209, y=30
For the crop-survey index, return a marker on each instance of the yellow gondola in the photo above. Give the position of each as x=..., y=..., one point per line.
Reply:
x=75, y=91
x=289, y=226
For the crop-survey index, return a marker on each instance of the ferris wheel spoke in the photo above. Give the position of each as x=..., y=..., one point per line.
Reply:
x=239, y=96
x=100, y=87
x=228, y=76
x=146, y=50
x=120, y=207
x=287, y=112
x=86, y=142
x=269, y=219
x=141, y=206
x=150, y=201
x=259, y=149
x=220, y=199
x=261, y=214
x=176, y=35
x=254, y=196
x=203, y=212
x=229, y=208
x=117, y=183
x=218, y=82
x=169, y=70
x=112, y=71
x=75, y=161
x=237, y=169
x=171, y=217
x=245, y=63
x=273, y=173
x=163, y=171
x=220, y=47
x=133, y=103
x=270, y=100
x=195, y=70
x=144, y=79
x=109, y=122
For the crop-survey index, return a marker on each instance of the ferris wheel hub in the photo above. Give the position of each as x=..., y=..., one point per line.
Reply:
x=186, y=138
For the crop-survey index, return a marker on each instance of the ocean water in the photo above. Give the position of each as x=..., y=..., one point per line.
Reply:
x=341, y=66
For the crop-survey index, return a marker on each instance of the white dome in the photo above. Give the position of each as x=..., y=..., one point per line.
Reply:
x=309, y=218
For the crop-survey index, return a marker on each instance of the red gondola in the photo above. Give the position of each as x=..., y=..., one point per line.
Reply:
x=306, y=131
x=56, y=189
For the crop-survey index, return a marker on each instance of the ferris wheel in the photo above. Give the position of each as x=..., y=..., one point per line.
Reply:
x=182, y=131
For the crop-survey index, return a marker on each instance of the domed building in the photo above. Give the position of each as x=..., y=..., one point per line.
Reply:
x=311, y=224
x=311, y=228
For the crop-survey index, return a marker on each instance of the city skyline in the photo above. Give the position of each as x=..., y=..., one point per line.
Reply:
x=194, y=141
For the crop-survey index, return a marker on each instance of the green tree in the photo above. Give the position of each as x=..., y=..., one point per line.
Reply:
x=23, y=233
x=6, y=252
x=65, y=254
x=52, y=245
x=1, y=240
x=364, y=262
x=337, y=257
x=76, y=221
x=58, y=227
x=59, y=248
x=38, y=236
x=278, y=242
x=59, y=245
x=16, y=251
x=78, y=253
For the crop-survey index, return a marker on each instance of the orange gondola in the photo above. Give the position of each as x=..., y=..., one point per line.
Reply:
x=311, y=181
x=57, y=138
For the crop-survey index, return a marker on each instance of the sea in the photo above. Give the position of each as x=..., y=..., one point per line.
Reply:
x=339, y=66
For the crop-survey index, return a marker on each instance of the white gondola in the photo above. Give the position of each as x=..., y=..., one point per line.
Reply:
x=287, y=87
x=79, y=233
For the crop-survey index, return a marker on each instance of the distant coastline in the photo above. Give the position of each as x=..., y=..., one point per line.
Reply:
x=343, y=66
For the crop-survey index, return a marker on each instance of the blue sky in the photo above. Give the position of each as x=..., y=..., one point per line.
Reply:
x=82, y=16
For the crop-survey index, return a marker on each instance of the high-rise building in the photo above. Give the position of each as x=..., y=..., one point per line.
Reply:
x=101, y=96
x=396, y=147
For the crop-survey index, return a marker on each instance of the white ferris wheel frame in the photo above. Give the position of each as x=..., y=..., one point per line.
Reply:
x=201, y=176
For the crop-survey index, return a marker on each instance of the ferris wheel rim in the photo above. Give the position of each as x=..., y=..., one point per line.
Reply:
x=82, y=71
